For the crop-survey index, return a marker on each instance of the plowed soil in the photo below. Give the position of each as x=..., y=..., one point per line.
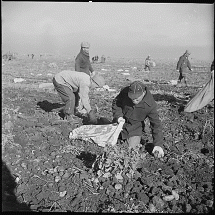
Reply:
x=45, y=171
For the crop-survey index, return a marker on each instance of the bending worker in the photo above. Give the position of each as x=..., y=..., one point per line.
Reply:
x=69, y=85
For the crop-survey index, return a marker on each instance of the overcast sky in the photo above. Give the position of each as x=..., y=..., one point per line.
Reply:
x=113, y=29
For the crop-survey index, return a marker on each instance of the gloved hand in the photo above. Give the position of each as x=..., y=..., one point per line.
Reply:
x=177, y=70
x=121, y=119
x=191, y=69
x=158, y=151
x=92, y=117
x=92, y=74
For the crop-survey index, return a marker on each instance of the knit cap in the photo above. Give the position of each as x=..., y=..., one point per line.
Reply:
x=136, y=89
x=85, y=45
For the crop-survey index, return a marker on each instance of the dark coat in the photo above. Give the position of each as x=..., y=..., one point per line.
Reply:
x=212, y=66
x=183, y=63
x=135, y=115
x=82, y=63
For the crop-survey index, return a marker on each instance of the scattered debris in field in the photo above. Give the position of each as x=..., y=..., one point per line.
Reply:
x=173, y=82
x=18, y=80
x=53, y=65
x=46, y=85
x=125, y=73
x=50, y=74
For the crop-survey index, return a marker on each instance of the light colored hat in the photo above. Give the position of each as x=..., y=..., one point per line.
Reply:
x=85, y=45
x=99, y=80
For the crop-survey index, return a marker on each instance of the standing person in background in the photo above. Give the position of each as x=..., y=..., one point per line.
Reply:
x=148, y=63
x=82, y=61
x=182, y=65
x=212, y=66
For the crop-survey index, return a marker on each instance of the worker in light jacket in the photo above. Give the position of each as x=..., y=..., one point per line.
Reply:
x=70, y=84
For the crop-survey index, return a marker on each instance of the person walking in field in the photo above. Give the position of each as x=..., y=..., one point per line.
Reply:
x=82, y=61
x=148, y=64
x=133, y=105
x=70, y=84
x=182, y=65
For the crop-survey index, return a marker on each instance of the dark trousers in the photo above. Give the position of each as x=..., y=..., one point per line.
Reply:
x=68, y=96
x=182, y=76
x=147, y=68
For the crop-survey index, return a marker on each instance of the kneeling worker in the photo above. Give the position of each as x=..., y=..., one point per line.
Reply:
x=133, y=105
x=70, y=84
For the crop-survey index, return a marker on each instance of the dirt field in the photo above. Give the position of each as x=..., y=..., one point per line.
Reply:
x=44, y=171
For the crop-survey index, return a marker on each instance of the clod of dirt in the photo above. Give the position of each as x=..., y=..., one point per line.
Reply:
x=66, y=175
x=209, y=203
x=152, y=208
x=57, y=178
x=204, y=151
x=63, y=193
x=168, y=198
x=188, y=208
x=175, y=194
x=143, y=197
x=118, y=186
x=158, y=202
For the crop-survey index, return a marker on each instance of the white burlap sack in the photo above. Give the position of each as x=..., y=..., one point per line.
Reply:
x=100, y=134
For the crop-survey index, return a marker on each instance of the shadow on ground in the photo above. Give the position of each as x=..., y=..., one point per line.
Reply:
x=9, y=200
x=170, y=98
x=48, y=106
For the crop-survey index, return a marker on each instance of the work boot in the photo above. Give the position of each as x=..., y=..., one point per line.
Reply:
x=72, y=119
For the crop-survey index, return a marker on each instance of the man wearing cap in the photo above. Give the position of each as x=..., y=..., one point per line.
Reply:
x=133, y=105
x=82, y=61
x=70, y=84
x=182, y=65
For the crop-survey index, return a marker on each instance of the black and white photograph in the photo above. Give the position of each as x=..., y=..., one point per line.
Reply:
x=107, y=107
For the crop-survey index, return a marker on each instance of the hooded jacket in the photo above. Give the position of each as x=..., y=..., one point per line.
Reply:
x=82, y=63
x=135, y=115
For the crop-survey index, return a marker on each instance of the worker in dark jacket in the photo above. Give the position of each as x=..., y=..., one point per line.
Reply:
x=133, y=105
x=182, y=66
x=82, y=61
x=212, y=66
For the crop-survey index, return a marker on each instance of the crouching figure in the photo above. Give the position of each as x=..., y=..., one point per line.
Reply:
x=133, y=105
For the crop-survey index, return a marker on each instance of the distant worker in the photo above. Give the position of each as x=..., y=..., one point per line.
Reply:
x=182, y=66
x=95, y=58
x=212, y=66
x=82, y=61
x=32, y=56
x=102, y=59
x=148, y=63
